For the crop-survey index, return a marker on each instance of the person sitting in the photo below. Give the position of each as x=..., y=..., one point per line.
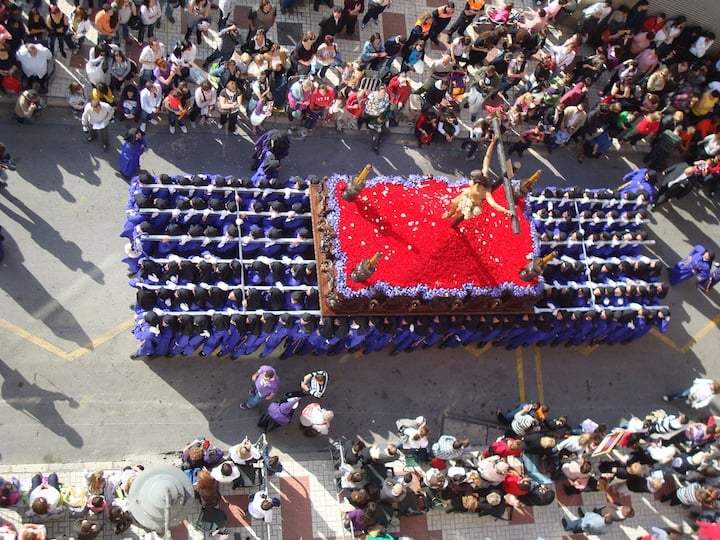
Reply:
x=87, y=530
x=207, y=489
x=32, y=531
x=44, y=498
x=225, y=473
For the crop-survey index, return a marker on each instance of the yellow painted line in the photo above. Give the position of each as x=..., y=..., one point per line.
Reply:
x=702, y=333
x=520, y=374
x=539, y=375
x=39, y=342
x=585, y=350
x=95, y=343
x=472, y=349
x=666, y=340
x=57, y=351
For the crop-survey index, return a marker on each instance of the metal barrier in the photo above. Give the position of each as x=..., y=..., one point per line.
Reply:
x=337, y=446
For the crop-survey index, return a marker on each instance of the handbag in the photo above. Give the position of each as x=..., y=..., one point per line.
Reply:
x=134, y=22
x=11, y=83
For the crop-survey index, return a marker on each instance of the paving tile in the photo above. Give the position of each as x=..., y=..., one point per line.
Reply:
x=416, y=527
x=234, y=507
x=296, y=508
x=523, y=517
x=289, y=32
x=393, y=24
x=571, y=500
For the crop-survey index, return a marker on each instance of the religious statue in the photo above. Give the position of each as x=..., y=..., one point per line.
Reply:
x=469, y=203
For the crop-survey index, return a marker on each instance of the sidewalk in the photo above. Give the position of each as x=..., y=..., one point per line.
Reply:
x=310, y=510
x=396, y=20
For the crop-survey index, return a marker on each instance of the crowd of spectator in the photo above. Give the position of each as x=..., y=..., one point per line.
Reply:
x=659, y=82
x=665, y=453
x=103, y=497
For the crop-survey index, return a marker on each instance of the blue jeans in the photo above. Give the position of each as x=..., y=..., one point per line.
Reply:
x=531, y=469
x=255, y=400
x=172, y=119
x=150, y=29
x=52, y=480
x=679, y=395
x=574, y=526
x=123, y=32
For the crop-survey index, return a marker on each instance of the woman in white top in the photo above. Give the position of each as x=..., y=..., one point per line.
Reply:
x=225, y=472
x=205, y=100
x=244, y=452
x=149, y=16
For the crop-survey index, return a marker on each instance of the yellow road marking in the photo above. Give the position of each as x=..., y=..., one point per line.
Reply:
x=95, y=343
x=667, y=341
x=472, y=349
x=585, y=350
x=61, y=353
x=702, y=332
x=539, y=375
x=520, y=374
x=39, y=342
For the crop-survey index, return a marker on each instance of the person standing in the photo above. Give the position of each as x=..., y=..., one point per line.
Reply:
x=374, y=9
x=330, y=26
x=261, y=506
x=106, y=22
x=132, y=149
x=589, y=522
x=266, y=385
x=95, y=120
x=313, y=384
x=57, y=23
x=351, y=10
x=697, y=263
x=150, y=101
x=440, y=19
x=315, y=420
x=229, y=105
x=26, y=106
x=699, y=395
x=465, y=19
x=34, y=60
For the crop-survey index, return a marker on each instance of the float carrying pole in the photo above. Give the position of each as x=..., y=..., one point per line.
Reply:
x=506, y=172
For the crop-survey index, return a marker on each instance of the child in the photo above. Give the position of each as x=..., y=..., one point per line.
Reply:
x=80, y=28
x=129, y=104
x=263, y=109
x=527, y=138
x=76, y=99
x=338, y=114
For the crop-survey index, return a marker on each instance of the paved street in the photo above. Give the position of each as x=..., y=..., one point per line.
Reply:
x=70, y=392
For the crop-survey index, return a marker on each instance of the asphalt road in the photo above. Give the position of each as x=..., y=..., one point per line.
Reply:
x=70, y=392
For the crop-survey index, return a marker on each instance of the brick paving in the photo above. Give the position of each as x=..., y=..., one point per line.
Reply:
x=310, y=508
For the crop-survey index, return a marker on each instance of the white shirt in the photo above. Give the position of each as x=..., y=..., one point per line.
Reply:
x=97, y=119
x=34, y=65
x=205, y=99
x=149, y=101
x=233, y=453
x=256, y=511
x=148, y=56
x=217, y=474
